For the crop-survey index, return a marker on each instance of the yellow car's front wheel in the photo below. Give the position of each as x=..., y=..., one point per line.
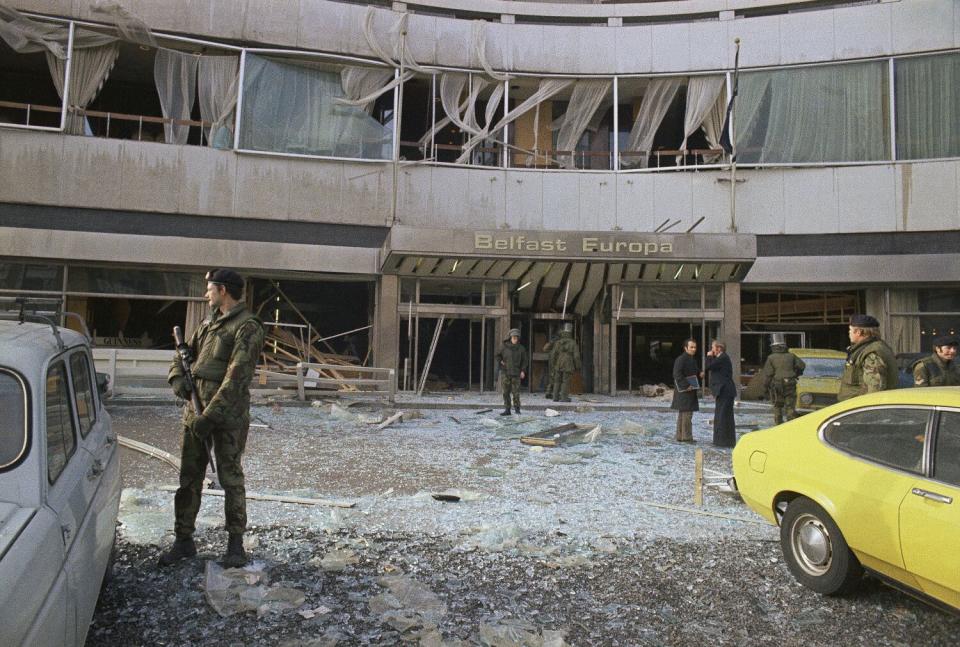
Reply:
x=815, y=550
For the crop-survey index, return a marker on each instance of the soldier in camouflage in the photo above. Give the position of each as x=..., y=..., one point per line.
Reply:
x=871, y=365
x=512, y=359
x=565, y=358
x=779, y=375
x=548, y=348
x=940, y=368
x=226, y=347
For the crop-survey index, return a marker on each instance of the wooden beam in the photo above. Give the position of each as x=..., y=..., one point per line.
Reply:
x=591, y=288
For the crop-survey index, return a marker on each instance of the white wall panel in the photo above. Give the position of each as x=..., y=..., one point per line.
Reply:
x=711, y=200
x=561, y=201
x=316, y=192
x=597, y=50
x=672, y=199
x=759, y=41
x=634, y=49
x=867, y=198
x=806, y=36
x=709, y=45
x=525, y=43
x=863, y=31
x=485, y=198
x=561, y=44
x=420, y=41
x=923, y=25
x=500, y=45
x=927, y=196
x=262, y=188
x=414, y=200
x=449, y=197
x=810, y=201
x=33, y=166
x=209, y=177
x=271, y=21
x=453, y=42
x=671, y=47
x=92, y=172
x=330, y=27
x=524, y=208
x=367, y=192
x=598, y=202
x=760, y=202
x=152, y=176
x=635, y=202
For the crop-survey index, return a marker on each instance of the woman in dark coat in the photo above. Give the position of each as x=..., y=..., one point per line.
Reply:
x=685, y=398
x=724, y=390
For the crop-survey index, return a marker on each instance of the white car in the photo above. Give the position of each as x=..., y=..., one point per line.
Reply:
x=59, y=486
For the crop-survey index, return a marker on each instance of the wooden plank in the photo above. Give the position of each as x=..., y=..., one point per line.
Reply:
x=698, y=478
x=254, y=496
x=591, y=288
x=550, y=437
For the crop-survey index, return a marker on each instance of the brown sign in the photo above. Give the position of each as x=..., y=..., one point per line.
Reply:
x=611, y=244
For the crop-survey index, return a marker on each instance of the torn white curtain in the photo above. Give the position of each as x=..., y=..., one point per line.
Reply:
x=217, y=81
x=480, y=50
x=175, y=74
x=462, y=114
x=659, y=94
x=396, y=49
x=27, y=36
x=89, y=69
x=547, y=89
x=703, y=92
x=362, y=86
x=584, y=102
x=132, y=28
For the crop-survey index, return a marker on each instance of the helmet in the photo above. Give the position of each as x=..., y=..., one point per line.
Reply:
x=568, y=327
x=514, y=332
x=777, y=339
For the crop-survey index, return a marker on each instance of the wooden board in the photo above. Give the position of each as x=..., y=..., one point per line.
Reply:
x=552, y=437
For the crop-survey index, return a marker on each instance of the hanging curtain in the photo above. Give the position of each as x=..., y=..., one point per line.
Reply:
x=656, y=101
x=713, y=126
x=26, y=36
x=547, y=89
x=703, y=92
x=584, y=102
x=362, y=86
x=175, y=74
x=290, y=107
x=748, y=135
x=904, y=330
x=89, y=69
x=132, y=28
x=217, y=80
x=928, y=106
x=826, y=113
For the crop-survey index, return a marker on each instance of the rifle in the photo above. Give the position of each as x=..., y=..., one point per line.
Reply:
x=183, y=353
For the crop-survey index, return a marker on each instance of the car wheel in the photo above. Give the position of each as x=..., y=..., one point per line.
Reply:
x=815, y=550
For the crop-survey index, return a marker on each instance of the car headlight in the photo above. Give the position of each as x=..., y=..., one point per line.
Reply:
x=806, y=399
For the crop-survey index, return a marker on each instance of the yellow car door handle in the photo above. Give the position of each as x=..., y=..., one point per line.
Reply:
x=932, y=495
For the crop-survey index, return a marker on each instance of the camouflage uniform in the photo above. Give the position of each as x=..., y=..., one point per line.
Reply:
x=548, y=348
x=566, y=360
x=512, y=359
x=871, y=366
x=934, y=371
x=779, y=375
x=226, y=348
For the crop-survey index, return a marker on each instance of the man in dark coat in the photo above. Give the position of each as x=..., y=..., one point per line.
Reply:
x=685, y=372
x=512, y=359
x=720, y=369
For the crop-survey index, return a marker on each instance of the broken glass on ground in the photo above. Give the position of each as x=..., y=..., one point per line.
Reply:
x=236, y=590
x=338, y=560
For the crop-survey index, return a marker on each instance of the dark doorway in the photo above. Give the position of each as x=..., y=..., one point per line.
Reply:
x=646, y=350
x=461, y=361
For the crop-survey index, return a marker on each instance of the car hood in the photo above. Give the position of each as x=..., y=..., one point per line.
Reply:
x=819, y=384
x=13, y=518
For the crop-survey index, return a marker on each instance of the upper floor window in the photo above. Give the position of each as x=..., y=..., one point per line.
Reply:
x=822, y=113
x=928, y=106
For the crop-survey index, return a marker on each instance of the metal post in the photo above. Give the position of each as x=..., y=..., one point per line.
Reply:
x=66, y=79
x=301, y=392
x=397, y=110
x=237, y=114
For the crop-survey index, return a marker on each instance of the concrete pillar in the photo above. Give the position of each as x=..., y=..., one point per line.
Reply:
x=730, y=328
x=386, y=327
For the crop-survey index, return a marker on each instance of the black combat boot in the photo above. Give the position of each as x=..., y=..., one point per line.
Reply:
x=183, y=548
x=505, y=412
x=516, y=410
x=235, y=556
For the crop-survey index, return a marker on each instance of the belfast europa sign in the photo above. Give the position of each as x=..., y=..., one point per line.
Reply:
x=572, y=244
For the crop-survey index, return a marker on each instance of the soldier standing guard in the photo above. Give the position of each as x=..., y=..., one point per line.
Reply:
x=940, y=368
x=512, y=358
x=565, y=359
x=871, y=365
x=226, y=347
x=779, y=375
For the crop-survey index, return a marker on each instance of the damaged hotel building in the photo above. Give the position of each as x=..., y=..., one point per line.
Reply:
x=488, y=165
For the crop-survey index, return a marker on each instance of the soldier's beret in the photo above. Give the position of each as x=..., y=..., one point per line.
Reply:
x=225, y=277
x=946, y=340
x=864, y=321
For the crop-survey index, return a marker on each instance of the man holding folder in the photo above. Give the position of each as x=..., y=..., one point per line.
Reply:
x=685, y=401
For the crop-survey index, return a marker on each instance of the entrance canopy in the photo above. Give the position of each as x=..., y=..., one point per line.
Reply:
x=573, y=265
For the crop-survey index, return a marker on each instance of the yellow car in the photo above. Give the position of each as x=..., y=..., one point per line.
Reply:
x=820, y=382
x=868, y=484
